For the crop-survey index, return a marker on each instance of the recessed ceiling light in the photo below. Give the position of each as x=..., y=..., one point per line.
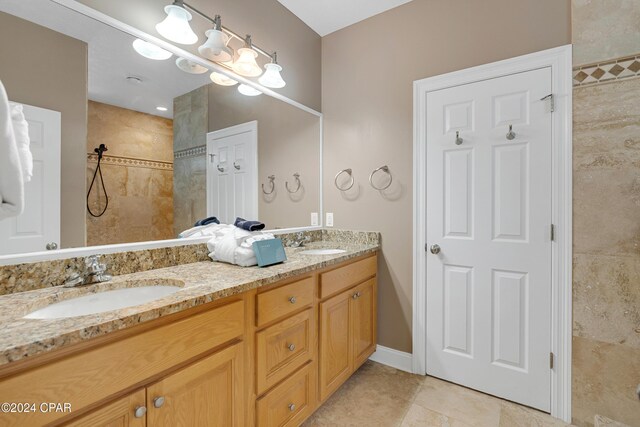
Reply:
x=161, y=108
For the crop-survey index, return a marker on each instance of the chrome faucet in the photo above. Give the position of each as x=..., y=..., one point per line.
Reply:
x=299, y=240
x=94, y=272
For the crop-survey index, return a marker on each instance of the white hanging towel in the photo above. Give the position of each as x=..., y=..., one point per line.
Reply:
x=21, y=133
x=11, y=177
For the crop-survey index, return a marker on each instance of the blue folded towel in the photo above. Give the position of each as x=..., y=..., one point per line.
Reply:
x=207, y=221
x=248, y=225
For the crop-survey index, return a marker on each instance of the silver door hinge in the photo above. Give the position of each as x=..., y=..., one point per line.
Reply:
x=551, y=98
x=551, y=360
x=553, y=232
x=426, y=247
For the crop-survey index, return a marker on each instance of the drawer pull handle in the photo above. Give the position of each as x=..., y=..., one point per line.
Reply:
x=291, y=347
x=292, y=300
x=158, y=402
x=292, y=407
x=356, y=295
x=140, y=411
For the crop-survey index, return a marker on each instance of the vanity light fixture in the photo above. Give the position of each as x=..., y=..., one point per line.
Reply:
x=272, y=78
x=248, y=90
x=150, y=50
x=175, y=26
x=190, y=66
x=222, y=80
x=215, y=48
x=161, y=108
x=246, y=64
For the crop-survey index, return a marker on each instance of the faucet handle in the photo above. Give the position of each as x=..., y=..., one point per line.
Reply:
x=73, y=280
x=93, y=265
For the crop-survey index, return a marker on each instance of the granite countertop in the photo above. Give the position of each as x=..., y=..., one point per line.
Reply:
x=202, y=282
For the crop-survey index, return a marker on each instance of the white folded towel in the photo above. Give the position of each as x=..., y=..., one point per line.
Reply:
x=233, y=246
x=21, y=133
x=207, y=230
x=11, y=176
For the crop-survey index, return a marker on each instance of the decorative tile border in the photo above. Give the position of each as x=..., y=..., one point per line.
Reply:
x=131, y=162
x=191, y=152
x=611, y=70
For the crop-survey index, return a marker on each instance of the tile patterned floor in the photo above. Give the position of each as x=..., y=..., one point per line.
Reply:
x=378, y=395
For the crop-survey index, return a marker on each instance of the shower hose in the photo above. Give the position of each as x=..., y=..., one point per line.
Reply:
x=100, y=150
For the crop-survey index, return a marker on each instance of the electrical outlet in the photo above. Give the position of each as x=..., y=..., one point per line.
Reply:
x=314, y=219
x=329, y=219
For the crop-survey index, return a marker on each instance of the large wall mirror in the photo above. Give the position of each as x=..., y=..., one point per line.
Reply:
x=132, y=143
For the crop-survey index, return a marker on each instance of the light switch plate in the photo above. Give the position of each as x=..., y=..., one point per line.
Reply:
x=314, y=218
x=329, y=219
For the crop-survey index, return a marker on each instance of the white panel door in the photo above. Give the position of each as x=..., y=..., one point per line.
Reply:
x=232, y=178
x=39, y=224
x=489, y=212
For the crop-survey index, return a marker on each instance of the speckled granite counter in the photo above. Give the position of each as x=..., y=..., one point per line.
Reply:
x=202, y=282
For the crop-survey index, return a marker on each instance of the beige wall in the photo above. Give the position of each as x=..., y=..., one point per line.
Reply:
x=271, y=25
x=47, y=69
x=606, y=215
x=138, y=175
x=288, y=143
x=367, y=75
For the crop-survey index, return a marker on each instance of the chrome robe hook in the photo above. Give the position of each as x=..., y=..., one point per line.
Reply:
x=458, y=139
x=511, y=134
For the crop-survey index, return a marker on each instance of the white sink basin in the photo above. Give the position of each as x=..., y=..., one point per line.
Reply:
x=323, y=252
x=102, y=301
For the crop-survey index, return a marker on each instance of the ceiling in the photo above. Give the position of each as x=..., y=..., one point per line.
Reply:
x=112, y=59
x=327, y=16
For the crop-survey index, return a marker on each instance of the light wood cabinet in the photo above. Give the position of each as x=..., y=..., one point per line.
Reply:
x=209, y=392
x=363, y=322
x=129, y=411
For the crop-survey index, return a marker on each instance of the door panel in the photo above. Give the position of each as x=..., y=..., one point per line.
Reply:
x=335, y=343
x=120, y=413
x=364, y=322
x=489, y=210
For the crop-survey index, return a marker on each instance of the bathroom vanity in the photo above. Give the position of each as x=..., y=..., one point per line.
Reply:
x=234, y=347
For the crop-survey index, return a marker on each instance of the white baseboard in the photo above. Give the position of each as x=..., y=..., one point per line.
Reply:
x=394, y=358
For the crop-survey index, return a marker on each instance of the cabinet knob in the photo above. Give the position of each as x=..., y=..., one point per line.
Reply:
x=140, y=411
x=292, y=300
x=292, y=407
x=158, y=402
x=356, y=295
x=291, y=347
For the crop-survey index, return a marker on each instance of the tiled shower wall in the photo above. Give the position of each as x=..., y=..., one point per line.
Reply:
x=606, y=206
x=138, y=176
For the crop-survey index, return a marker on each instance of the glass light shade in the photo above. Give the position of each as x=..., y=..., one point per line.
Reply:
x=246, y=64
x=215, y=48
x=222, y=80
x=248, y=90
x=190, y=66
x=175, y=26
x=150, y=50
x=272, y=77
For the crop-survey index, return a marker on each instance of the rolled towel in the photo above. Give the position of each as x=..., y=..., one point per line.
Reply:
x=248, y=225
x=207, y=221
x=11, y=177
x=206, y=230
x=23, y=142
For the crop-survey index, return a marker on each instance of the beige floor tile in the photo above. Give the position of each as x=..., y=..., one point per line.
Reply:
x=422, y=417
x=513, y=415
x=475, y=408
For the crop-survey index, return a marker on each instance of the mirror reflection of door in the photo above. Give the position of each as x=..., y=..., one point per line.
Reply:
x=232, y=186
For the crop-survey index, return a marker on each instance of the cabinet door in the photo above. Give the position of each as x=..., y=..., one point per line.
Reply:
x=363, y=321
x=120, y=413
x=336, y=361
x=209, y=392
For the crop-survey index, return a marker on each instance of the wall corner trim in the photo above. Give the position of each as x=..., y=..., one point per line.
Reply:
x=394, y=358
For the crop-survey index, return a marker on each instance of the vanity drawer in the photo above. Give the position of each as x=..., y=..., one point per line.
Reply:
x=283, y=348
x=335, y=281
x=284, y=300
x=289, y=403
x=89, y=376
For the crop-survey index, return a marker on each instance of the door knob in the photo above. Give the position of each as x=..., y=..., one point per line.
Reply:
x=158, y=402
x=51, y=246
x=140, y=411
x=435, y=249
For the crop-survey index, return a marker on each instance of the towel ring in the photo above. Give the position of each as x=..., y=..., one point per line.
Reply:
x=350, y=172
x=220, y=168
x=236, y=165
x=272, y=178
x=385, y=169
x=297, y=177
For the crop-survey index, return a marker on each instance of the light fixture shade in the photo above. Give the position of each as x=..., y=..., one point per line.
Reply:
x=215, y=48
x=190, y=66
x=246, y=64
x=248, y=90
x=175, y=26
x=271, y=77
x=222, y=80
x=150, y=50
